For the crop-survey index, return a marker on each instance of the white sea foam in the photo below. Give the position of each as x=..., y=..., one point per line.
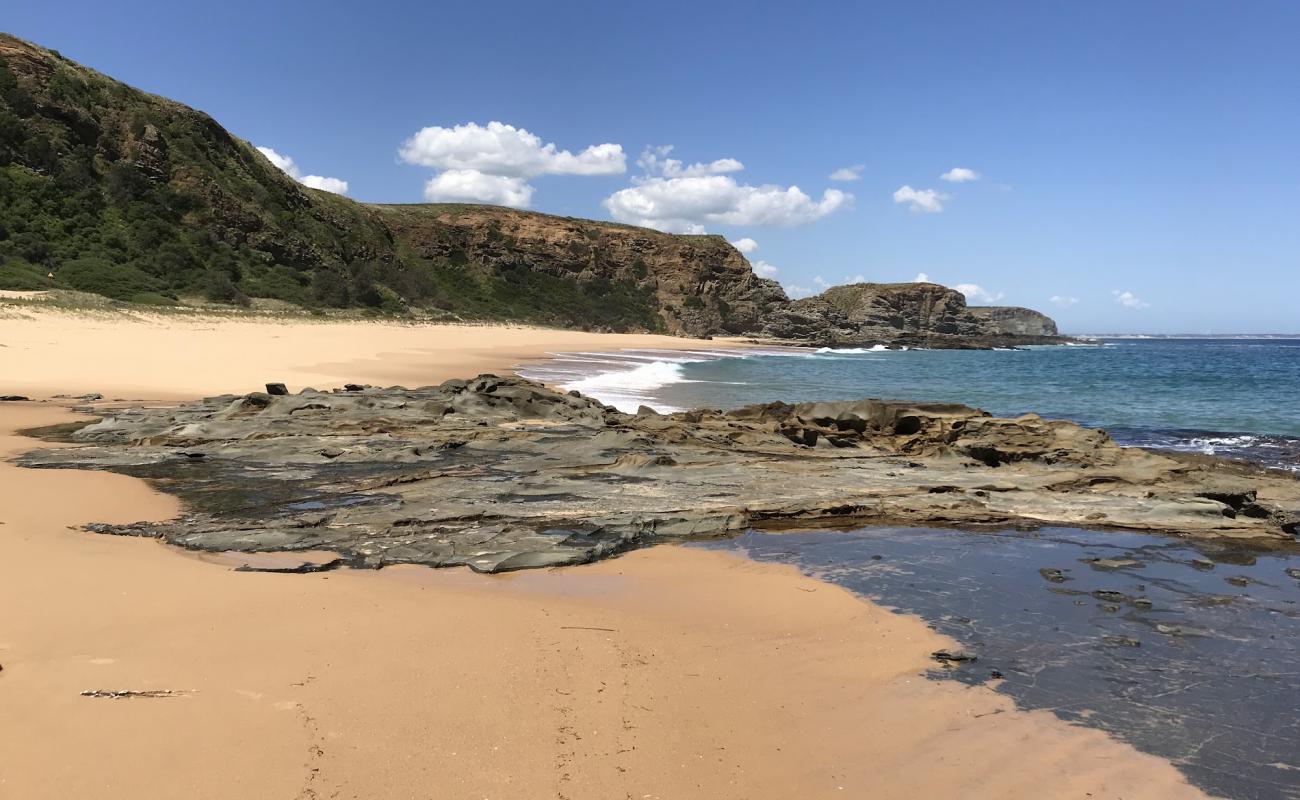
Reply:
x=627, y=389
x=875, y=348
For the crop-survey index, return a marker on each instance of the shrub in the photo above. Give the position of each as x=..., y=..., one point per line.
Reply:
x=118, y=281
x=22, y=276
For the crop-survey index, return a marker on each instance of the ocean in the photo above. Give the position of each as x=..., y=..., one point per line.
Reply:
x=1186, y=649
x=1237, y=398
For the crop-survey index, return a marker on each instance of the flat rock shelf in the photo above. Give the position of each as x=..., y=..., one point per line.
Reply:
x=505, y=473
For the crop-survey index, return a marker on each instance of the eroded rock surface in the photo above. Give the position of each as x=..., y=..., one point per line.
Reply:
x=918, y=314
x=505, y=473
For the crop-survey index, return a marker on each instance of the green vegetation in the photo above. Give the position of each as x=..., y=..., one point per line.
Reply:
x=109, y=190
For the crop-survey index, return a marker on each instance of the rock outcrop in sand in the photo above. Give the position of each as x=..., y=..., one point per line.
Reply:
x=504, y=473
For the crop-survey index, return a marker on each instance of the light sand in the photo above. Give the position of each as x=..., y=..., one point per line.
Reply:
x=45, y=352
x=667, y=673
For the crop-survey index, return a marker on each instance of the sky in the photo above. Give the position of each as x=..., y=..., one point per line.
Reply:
x=1123, y=166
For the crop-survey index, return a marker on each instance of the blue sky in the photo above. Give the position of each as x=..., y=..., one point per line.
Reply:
x=1137, y=161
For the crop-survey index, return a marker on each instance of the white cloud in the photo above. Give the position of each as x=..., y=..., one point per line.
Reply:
x=1130, y=300
x=1062, y=300
x=859, y=278
x=921, y=277
x=286, y=165
x=685, y=205
x=795, y=292
x=960, y=175
x=978, y=294
x=746, y=245
x=655, y=161
x=764, y=269
x=325, y=184
x=283, y=163
x=492, y=163
x=679, y=198
x=853, y=173
x=500, y=149
x=927, y=201
x=472, y=186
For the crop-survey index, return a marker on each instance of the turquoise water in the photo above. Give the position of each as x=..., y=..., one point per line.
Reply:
x=1238, y=398
x=1230, y=397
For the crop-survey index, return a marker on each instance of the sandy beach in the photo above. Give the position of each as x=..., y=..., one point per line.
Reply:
x=139, y=355
x=666, y=673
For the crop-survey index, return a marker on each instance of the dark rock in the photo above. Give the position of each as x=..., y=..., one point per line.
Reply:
x=1122, y=641
x=14, y=398
x=276, y=389
x=950, y=658
x=504, y=473
x=1053, y=575
x=1110, y=596
x=1112, y=563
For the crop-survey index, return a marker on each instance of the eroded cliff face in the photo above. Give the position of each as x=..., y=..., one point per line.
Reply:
x=1015, y=321
x=107, y=189
x=696, y=285
x=901, y=313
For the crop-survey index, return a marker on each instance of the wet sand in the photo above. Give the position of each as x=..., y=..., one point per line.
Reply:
x=666, y=673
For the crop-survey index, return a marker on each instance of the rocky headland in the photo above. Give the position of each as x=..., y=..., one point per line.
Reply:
x=905, y=314
x=504, y=473
x=111, y=190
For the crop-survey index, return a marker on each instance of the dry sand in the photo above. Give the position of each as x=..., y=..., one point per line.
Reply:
x=45, y=352
x=667, y=673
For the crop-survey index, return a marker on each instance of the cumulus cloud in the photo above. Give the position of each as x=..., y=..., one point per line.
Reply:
x=1129, y=300
x=500, y=149
x=679, y=198
x=492, y=163
x=325, y=184
x=1062, y=300
x=921, y=277
x=764, y=269
x=655, y=161
x=286, y=165
x=853, y=173
x=746, y=245
x=472, y=186
x=978, y=294
x=960, y=175
x=795, y=292
x=920, y=201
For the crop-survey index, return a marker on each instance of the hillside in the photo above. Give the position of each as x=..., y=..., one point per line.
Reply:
x=108, y=189
x=111, y=190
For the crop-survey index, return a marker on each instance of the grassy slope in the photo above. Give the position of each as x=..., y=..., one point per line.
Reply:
x=107, y=189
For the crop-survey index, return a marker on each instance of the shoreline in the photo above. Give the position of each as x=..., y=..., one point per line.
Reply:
x=781, y=685
x=153, y=357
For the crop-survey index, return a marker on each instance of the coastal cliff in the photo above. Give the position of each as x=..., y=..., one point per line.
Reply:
x=925, y=314
x=110, y=190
